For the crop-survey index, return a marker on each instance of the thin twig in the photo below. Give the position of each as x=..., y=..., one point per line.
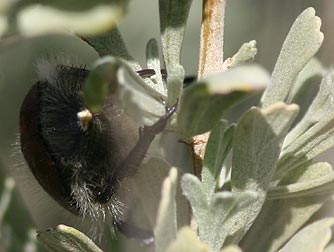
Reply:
x=212, y=38
x=211, y=61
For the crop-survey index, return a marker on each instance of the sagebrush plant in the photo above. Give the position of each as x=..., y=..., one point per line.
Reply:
x=256, y=184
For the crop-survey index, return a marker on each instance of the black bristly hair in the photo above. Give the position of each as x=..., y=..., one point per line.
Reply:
x=80, y=168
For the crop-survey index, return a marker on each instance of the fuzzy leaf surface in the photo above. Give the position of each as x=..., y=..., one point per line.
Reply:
x=300, y=45
x=64, y=238
x=173, y=19
x=320, y=184
x=166, y=224
x=153, y=62
x=246, y=53
x=312, y=238
x=314, y=133
x=313, y=68
x=306, y=87
x=148, y=181
x=112, y=44
x=282, y=218
x=214, y=217
x=256, y=147
x=218, y=147
x=204, y=103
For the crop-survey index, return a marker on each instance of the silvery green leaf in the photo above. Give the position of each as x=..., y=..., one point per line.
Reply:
x=323, y=184
x=306, y=87
x=175, y=79
x=111, y=76
x=166, y=224
x=256, y=147
x=312, y=238
x=300, y=45
x=282, y=218
x=153, y=62
x=319, y=111
x=221, y=219
x=193, y=190
x=218, y=147
x=313, y=134
x=313, y=68
x=63, y=239
x=313, y=146
x=187, y=241
x=173, y=18
x=148, y=182
x=214, y=217
x=112, y=44
x=86, y=18
x=246, y=53
x=204, y=103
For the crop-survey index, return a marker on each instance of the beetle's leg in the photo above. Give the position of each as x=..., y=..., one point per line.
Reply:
x=135, y=157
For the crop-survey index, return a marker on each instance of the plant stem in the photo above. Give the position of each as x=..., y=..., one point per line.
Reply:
x=211, y=61
x=212, y=38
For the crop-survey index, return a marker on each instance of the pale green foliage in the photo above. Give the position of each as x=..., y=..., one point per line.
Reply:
x=273, y=186
x=254, y=157
x=133, y=95
x=153, y=62
x=300, y=45
x=173, y=18
x=214, y=215
x=281, y=218
x=320, y=183
x=111, y=43
x=246, y=53
x=63, y=16
x=63, y=238
x=219, y=146
x=204, y=103
x=166, y=226
x=311, y=238
x=313, y=134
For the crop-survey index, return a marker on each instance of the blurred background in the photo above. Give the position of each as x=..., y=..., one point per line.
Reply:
x=267, y=22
